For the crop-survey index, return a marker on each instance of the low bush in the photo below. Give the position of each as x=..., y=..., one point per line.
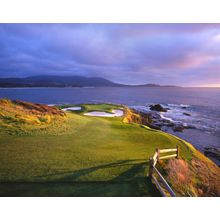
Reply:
x=196, y=178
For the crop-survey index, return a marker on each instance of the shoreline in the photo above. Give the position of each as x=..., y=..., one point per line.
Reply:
x=185, y=131
x=205, y=142
x=108, y=143
x=202, y=139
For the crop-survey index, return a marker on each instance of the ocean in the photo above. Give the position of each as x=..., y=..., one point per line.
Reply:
x=199, y=107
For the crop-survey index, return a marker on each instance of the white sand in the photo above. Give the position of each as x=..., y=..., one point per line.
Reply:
x=115, y=113
x=72, y=108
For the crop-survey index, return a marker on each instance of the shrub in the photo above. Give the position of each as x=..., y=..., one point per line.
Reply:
x=179, y=175
x=197, y=178
x=207, y=178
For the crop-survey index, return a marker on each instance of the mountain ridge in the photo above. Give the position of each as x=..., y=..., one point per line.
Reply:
x=64, y=81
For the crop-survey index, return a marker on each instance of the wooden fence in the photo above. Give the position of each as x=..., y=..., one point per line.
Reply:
x=159, y=155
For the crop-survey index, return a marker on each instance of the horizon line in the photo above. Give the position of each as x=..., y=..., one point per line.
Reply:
x=144, y=83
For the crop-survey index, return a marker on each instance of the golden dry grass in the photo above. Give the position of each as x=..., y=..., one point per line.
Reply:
x=17, y=115
x=194, y=178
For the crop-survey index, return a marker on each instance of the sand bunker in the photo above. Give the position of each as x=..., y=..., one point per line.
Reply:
x=115, y=113
x=76, y=108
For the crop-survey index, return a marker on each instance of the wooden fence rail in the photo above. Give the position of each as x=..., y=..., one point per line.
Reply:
x=152, y=168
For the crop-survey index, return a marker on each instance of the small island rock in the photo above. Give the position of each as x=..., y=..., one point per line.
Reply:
x=158, y=108
x=187, y=114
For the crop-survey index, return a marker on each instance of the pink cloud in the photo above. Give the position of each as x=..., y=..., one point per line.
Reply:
x=192, y=61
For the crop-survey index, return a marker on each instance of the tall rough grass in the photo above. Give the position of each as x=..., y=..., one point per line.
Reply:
x=20, y=116
x=197, y=178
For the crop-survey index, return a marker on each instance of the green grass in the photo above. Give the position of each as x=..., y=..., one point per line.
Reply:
x=100, y=107
x=93, y=107
x=85, y=156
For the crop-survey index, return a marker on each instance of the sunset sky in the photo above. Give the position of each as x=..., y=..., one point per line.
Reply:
x=177, y=54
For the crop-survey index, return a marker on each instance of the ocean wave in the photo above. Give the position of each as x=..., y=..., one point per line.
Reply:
x=179, y=105
x=166, y=118
x=173, y=105
x=183, y=105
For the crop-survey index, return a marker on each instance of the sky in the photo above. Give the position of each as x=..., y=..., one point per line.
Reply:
x=166, y=54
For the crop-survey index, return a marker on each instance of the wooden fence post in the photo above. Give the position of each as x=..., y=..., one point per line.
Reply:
x=151, y=167
x=178, y=152
x=158, y=153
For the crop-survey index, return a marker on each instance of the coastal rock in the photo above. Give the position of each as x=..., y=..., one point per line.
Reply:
x=149, y=119
x=154, y=120
x=155, y=126
x=178, y=128
x=187, y=114
x=170, y=124
x=190, y=127
x=134, y=116
x=181, y=127
x=158, y=108
x=212, y=152
x=155, y=115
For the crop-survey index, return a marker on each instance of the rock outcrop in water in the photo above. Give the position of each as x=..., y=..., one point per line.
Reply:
x=158, y=122
x=133, y=116
x=158, y=108
x=187, y=114
x=212, y=152
x=178, y=128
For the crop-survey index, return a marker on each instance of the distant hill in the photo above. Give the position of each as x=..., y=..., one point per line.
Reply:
x=154, y=85
x=61, y=81
x=56, y=81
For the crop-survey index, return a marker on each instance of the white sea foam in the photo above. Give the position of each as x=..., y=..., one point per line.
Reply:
x=179, y=105
x=173, y=105
x=164, y=117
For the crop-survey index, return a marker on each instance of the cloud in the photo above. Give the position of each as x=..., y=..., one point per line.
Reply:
x=182, y=54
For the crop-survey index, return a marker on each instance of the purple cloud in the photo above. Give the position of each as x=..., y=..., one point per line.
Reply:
x=181, y=54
